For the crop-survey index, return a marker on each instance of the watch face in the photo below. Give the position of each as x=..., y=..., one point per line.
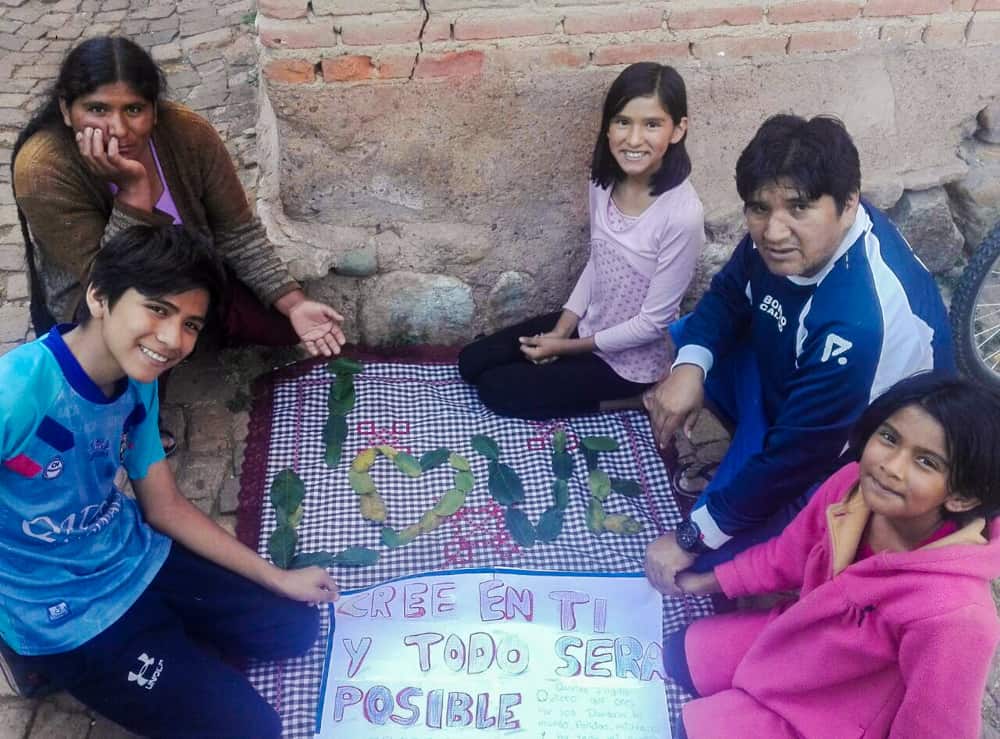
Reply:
x=688, y=536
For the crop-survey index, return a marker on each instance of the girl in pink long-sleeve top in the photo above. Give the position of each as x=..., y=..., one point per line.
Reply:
x=895, y=627
x=646, y=232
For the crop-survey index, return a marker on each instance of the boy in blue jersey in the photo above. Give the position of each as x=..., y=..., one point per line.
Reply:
x=821, y=308
x=110, y=597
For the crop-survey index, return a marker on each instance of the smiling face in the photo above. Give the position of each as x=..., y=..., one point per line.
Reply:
x=118, y=111
x=639, y=136
x=796, y=236
x=143, y=337
x=905, y=469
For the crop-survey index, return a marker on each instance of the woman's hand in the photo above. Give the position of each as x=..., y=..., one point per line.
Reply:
x=698, y=583
x=319, y=327
x=309, y=585
x=543, y=348
x=102, y=158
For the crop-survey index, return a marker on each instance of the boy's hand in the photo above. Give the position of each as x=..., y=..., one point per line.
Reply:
x=318, y=325
x=309, y=585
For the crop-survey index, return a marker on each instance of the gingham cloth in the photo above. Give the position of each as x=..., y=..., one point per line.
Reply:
x=417, y=408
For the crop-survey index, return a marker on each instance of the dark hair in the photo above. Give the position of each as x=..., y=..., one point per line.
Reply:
x=817, y=157
x=157, y=261
x=98, y=61
x=970, y=417
x=643, y=80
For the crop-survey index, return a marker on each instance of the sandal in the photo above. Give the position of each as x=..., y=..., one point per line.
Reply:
x=169, y=442
x=688, y=472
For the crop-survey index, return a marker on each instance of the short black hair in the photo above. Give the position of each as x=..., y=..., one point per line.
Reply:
x=157, y=261
x=970, y=417
x=644, y=79
x=817, y=157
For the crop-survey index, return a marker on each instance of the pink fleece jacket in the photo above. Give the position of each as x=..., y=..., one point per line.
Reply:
x=896, y=645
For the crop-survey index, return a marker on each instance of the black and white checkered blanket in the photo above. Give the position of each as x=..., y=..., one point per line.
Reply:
x=417, y=408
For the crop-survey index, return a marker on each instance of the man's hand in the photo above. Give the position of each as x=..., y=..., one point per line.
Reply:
x=664, y=560
x=309, y=585
x=319, y=327
x=675, y=401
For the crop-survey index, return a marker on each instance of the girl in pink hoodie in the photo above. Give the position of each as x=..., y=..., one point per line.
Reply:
x=894, y=627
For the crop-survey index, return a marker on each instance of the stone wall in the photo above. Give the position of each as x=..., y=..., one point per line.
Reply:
x=434, y=153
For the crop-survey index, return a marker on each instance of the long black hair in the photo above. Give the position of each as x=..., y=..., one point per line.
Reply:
x=644, y=79
x=98, y=61
x=970, y=417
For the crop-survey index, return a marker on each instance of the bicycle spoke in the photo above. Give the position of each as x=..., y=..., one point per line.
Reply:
x=984, y=342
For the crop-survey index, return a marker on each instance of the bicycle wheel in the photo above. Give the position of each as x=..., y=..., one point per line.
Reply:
x=975, y=314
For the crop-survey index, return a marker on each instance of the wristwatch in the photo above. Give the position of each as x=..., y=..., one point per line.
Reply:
x=689, y=537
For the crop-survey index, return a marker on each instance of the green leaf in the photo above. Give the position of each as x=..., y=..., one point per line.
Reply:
x=410, y=533
x=435, y=458
x=562, y=465
x=429, y=521
x=361, y=482
x=356, y=557
x=504, y=484
x=560, y=494
x=600, y=484
x=559, y=441
x=628, y=488
x=407, y=464
x=595, y=516
x=310, y=559
x=464, y=481
x=296, y=518
x=364, y=460
x=599, y=443
x=459, y=462
x=334, y=435
x=619, y=524
x=281, y=546
x=449, y=503
x=520, y=527
x=390, y=537
x=345, y=366
x=372, y=507
x=342, y=395
x=550, y=524
x=590, y=457
x=486, y=446
x=287, y=492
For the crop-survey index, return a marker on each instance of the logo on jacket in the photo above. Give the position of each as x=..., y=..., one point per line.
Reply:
x=53, y=469
x=772, y=307
x=99, y=448
x=140, y=678
x=835, y=347
x=58, y=611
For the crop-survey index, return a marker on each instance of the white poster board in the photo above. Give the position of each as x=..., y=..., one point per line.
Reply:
x=484, y=652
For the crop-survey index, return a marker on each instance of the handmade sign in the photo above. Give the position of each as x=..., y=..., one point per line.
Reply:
x=474, y=652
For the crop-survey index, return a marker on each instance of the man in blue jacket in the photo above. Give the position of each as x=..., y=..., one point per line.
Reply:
x=821, y=308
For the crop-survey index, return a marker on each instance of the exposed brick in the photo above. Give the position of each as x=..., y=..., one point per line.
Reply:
x=905, y=7
x=360, y=7
x=459, y=63
x=910, y=31
x=984, y=29
x=963, y=5
x=290, y=71
x=541, y=57
x=613, y=20
x=348, y=68
x=283, y=8
x=735, y=47
x=396, y=65
x=631, y=53
x=813, y=10
x=987, y=4
x=438, y=28
x=374, y=30
x=945, y=33
x=296, y=34
x=822, y=41
x=709, y=17
x=504, y=25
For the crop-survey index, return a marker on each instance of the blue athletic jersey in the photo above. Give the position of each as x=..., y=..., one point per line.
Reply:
x=75, y=552
x=826, y=347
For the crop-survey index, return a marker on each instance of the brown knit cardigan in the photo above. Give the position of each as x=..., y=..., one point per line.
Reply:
x=72, y=213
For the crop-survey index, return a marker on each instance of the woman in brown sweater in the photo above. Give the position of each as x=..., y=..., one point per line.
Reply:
x=105, y=153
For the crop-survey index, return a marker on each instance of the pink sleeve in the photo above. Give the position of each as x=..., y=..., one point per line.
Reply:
x=779, y=564
x=579, y=299
x=944, y=662
x=676, y=258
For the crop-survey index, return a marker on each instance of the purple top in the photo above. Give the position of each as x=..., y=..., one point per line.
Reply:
x=638, y=271
x=166, y=202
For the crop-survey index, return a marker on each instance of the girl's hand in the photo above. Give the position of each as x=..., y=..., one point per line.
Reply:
x=698, y=583
x=319, y=327
x=543, y=348
x=102, y=158
x=309, y=585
